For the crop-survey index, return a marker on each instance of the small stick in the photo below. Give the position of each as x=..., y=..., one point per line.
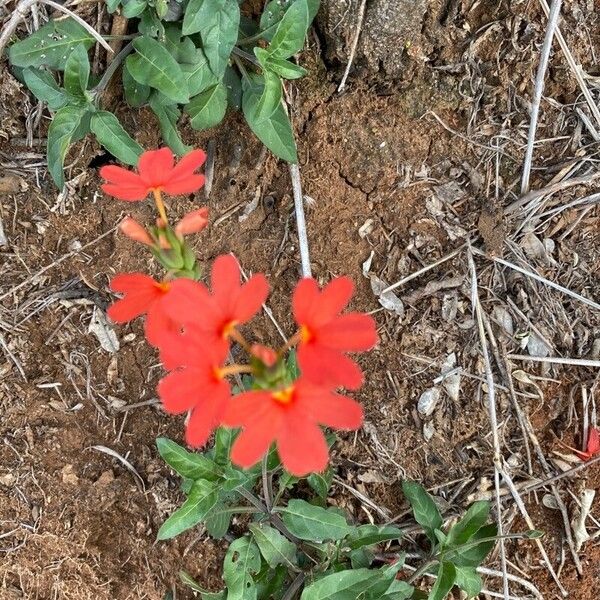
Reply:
x=361, y=16
x=300, y=220
x=538, y=91
x=491, y=393
x=537, y=277
x=557, y=360
x=423, y=270
x=209, y=170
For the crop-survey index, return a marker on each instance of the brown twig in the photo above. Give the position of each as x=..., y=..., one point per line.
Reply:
x=361, y=16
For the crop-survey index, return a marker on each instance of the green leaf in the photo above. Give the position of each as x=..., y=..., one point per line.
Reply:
x=241, y=562
x=110, y=133
x=50, y=45
x=152, y=65
x=187, y=464
x=399, y=590
x=224, y=438
x=188, y=580
x=203, y=496
x=473, y=556
x=60, y=135
x=150, y=24
x=367, y=535
x=472, y=521
x=276, y=131
x=198, y=74
x=351, y=584
x=361, y=558
x=443, y=584
x=136, y=94
x=424, y=509
x=77, y=71
x=534, y=534
x=133, y=8
x=313, y=523
x=167, y=119
x=320, y=482
x=270, y=98
x=233, y=84
x=112, y=5
x=217, y=522
x=468, y=580
x=44, y=87
x=208, y=108
x=218, y=22
x=275, y=548
x=274, y=11
x=282, y=67
x=291, y=31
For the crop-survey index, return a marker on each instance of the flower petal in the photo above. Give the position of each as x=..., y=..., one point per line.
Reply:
x=181, y=390
x=155, y=166
x=250, y=298
x=140, y=292
x=159, y=324
x=306, y=295
x=190, y=301
x=187, y=165
x=329, y=367
x=127, y=193
x=329, y=409
x=253, y=443
x=246, y=407
x=205, y=418
x=225, y=276
x=182, y=186
x=349, y=332
x=302, y=447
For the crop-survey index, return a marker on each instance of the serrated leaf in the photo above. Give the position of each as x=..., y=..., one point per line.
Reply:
x=282, y=67
x=473, y=556
x=471, y=522
x=218, y=22
x=241, y=562
x=203, y=496
x=50, y=45
x=276, y=131
x=367, y=535
x=446, y=577
x=351, y=584
x=133, y=8
x=167, y=118
x=469, y=580
x=152, y=65
x=198, y=74
x=313, y=523
x=291, y=31
x=275, y=548
x=208, y=108
x=77, y=71
x=136, y=94
x=187, y=464
x=424, y=509
x=110, y=133
x=44, y=87
x=60, y=135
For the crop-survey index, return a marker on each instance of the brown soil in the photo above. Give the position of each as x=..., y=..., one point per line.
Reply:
x=75, y=524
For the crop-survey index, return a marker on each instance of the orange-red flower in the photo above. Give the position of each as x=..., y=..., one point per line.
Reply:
x=193, y=222
x=156, y=172
x=217, y=313
x=291, y=418
x=133, y=230
x=199, y=387
x=325, y=334
x=144, y=295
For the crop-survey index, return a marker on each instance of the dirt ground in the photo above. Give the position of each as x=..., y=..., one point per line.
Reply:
x=397, y=174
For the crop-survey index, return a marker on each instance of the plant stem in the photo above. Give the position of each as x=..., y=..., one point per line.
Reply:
x=250, y=39
x=240, y=65
x=160, y=205
x=243, y=54
x=110, y=71
x=421, y=570
x=294, y=587
x=267, y=491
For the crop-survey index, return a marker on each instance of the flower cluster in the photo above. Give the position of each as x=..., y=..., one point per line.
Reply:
x=194, y=326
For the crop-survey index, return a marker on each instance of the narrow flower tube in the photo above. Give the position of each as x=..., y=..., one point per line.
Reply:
x=193, y=222
x=133, y=230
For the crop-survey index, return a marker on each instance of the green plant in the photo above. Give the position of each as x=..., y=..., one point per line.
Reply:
x=201, y=56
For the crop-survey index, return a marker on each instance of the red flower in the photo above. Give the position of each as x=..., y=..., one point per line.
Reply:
x=193, y=222
x=200, y=386
x=133, y=230
x=325, y=334
x=144, y=295
x=592, y=448
x=290, y=418
x=217, y=313
x=156, y=171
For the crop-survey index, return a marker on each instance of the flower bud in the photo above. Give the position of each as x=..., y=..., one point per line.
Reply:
x=267, y=356
x=133, y=230
x=193, y=222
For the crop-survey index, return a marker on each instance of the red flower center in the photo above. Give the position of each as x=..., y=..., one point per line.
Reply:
x=227, y=329
x=163, y=286
x=306, y=334
x=284, y=396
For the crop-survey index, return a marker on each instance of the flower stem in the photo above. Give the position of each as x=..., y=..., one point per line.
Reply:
x=160, y=205
x=235, y=334
x=233, y=369
x=295, y=339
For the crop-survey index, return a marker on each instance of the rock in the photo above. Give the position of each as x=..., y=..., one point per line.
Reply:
x=390, y=29
x=69, y=476
x=428, y=401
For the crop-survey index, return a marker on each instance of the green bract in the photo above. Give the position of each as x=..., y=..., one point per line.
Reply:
x=199, y=58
